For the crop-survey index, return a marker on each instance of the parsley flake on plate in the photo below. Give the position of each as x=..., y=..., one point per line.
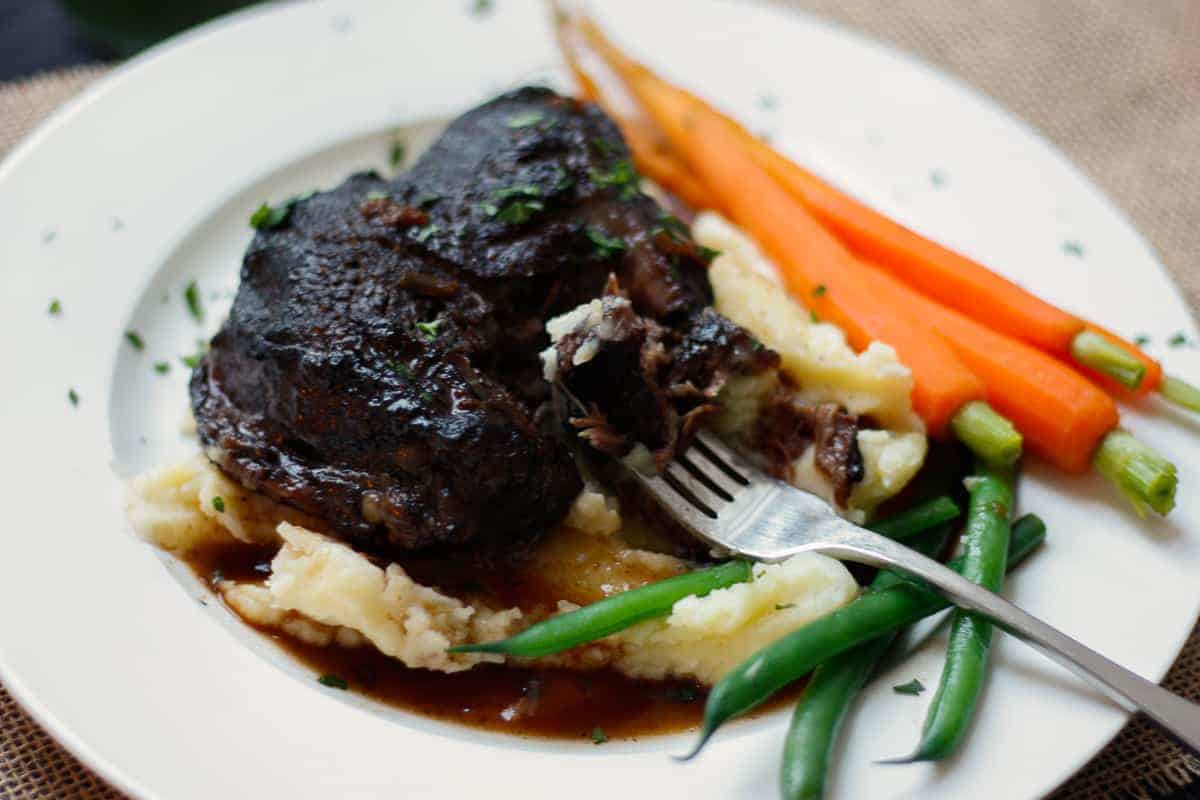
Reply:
x=135, y=340
x=396, y=153
x=913, y=687
x=195, y=307
x=333, y=681
x=598, y=735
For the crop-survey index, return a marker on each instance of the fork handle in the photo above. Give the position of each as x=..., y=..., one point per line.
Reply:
x=1178, y=716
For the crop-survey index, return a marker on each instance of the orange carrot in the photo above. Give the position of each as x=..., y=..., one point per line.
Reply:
x=815, y=265
x=935, y=270
x=654, y=158
x=1062, y=415
x=940, y=273
x=651, y=153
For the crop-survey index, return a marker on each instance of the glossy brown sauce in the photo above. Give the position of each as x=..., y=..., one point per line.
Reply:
x=539, y=702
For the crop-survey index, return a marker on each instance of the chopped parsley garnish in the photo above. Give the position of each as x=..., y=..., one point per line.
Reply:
x=401, y=369
x=603, y=246
x=937, y=177
x=1073, y=248
x=707, y=254
x=671, y=225
x=784, y=606
x=219, y=504
x=55, y=307
x=162, y=367
x=135, y=339
x=605, y=147
x=622, y=177
x=812, y=315
x=598, y=735
x=396, y=153
x=267, y=216
x=1141, y=340
x=430, y=329
x=427, y=231
x=1178, y=339
x=73, y=396
x=521, y=190
x=191, y=296
x=913, y=687
x=333, y=681
x=524, y=119
x=193, y=361
x=518, y=211
x=481, y=7
x=375, y=194
x=819, y=290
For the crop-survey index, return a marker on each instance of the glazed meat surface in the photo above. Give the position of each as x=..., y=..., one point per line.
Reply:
x=379, y=368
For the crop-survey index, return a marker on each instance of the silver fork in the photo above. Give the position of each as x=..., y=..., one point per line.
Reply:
x=730, y=503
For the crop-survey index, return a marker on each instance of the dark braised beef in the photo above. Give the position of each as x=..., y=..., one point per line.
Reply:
x=379, y=368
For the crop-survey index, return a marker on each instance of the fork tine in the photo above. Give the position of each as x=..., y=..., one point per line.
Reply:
x=722, y=457
x=707, y=478
x=686, y=488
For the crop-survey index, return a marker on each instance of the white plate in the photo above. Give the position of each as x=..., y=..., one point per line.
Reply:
x=147, y=181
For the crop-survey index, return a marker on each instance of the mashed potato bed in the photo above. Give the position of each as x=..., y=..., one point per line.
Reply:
x=323, y=593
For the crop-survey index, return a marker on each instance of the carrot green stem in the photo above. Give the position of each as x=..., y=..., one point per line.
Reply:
x=1180, y=392
x=1145, y=478
x=989, y=436
x=1094, y=351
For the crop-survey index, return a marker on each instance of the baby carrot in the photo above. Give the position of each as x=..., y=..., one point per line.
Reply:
x=949, y=277
x=1061, y=414
x=815, y=265
x=1064, y=418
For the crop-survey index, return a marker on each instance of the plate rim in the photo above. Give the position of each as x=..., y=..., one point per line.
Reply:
x=129, y=70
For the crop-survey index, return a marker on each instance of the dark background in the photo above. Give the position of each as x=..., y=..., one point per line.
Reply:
x=37, y=35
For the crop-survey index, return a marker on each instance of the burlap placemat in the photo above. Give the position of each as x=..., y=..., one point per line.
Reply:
x=1114, y=84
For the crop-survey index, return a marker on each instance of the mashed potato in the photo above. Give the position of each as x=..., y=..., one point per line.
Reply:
x=323, y=593
x=872, y=383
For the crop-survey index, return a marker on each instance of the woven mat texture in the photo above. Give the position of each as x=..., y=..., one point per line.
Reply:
x=1114, y=83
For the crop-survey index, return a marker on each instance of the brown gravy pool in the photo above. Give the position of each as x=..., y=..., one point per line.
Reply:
x=539, y=702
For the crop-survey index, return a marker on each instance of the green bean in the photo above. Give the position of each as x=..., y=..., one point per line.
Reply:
x=985, y=551
x=907, y=524
x=874, y=613
x=822, y=707
x=621, y=611
x=612, y=614
x=835, y=684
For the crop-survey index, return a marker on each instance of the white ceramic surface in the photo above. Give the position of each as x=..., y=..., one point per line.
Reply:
x=146, y=183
